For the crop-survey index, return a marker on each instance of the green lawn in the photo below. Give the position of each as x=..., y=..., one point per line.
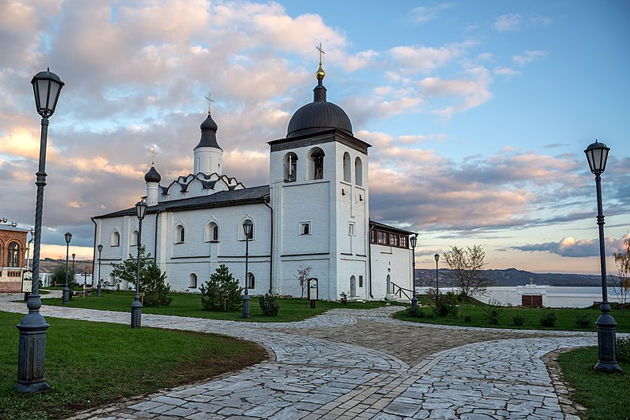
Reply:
x=565, y=318
x=605, y=395
x=188, y=304
x=90, y=364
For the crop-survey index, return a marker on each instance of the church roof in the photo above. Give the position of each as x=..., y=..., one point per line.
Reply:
x=383, y=226
x=208, y=133
x=221, y=199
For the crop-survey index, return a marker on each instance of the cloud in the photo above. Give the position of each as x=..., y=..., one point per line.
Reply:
x=528, y=56
x=423, y=14
x=509, y=22
x=571, y=247
x=506, y=71
x=421, y=59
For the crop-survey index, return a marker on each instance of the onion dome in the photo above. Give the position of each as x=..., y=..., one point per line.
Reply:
x=208, y=133
x=320, y=114
x=152, y=175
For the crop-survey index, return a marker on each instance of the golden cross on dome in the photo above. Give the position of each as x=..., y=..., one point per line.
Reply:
x=154, y=151
x=321, y=51
x=210, y=100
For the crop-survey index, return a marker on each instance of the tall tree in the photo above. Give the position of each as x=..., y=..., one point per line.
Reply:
x=467, y=264
x=622, y=285
x=302, y=276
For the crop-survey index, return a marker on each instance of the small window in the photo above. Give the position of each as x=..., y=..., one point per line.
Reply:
x=351, y=229
x=114, y=239
x=290, y=167
x=393, y=239
x=358, y=171
x=381, y=238
x=305, y=228
x=360, y=281
x=14, y=255
x=403, y=241
x=180, y=234
x=192, y=281
x=251, y=281
x=373, y=236
x=133, y=241
x=211, y=232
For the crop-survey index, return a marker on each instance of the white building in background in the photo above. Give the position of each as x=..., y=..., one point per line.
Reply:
x=314, y=213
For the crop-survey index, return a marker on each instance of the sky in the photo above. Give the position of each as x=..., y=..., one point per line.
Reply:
x=478, y=112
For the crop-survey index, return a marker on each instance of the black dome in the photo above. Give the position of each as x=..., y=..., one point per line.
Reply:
x=318, y=115
x=152, y=175
x=208, y=133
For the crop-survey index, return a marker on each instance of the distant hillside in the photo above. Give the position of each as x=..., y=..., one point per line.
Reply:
x=512, y=277
x=48, y=265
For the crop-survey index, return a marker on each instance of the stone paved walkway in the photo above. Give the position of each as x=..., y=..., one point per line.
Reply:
x=357, y=364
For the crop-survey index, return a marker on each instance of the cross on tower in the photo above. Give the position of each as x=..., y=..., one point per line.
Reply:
x=153, y=150
x=321, y=51
x=210, y=100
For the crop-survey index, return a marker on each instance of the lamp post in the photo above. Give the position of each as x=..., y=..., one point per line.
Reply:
x=437, y=284
x=597, y=154
x=31, y=354
x=136, y=306
x=98, y=284
x=247, y=230
x=73, y=275
x=413, y=240
x=66, y=289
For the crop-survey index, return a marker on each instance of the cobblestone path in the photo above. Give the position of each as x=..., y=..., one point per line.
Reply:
x=357, y=364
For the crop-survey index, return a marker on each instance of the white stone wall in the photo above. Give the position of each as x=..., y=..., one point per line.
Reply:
x=393, y=262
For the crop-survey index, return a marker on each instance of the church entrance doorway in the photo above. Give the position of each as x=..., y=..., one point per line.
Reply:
x=353, y=286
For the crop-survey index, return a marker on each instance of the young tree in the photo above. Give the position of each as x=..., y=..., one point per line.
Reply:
x=152, y=280
x=467, y=265
x=302, y=277
x=622, y=285
x=222, y=292
x=58, y=277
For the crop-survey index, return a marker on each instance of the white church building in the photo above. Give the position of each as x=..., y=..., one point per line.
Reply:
x=314, y=213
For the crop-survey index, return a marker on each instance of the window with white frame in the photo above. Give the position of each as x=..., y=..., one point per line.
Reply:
x=251, y=281
x=304, y=228
x=192, y=281
x=133, y=241
x=211, y=233
x=180, y=234
x=290, y=167
x=114, y=239
x=351, y=229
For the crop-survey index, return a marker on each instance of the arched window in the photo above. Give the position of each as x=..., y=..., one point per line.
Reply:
x=192, y=281
x=134, y=238
x=242, y=230
x=388, y=284
x=346, y=168
x=353, y=286
x=290, y=167
x=211, y=233
x=114, y=239
x=13, y=259
x=180, y=234
x=358, y=171
x=251, y=281
x=317, y=163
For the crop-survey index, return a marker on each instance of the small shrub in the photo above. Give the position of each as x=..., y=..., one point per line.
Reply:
x=493, y=315
x=468, y=319
x=582, y=321
x=221, y=292
x=343, y=298
x=447, y=305
x=623, y=349
x=518, y=320
x=415, y=312
x=548, y=319
x=269, y=304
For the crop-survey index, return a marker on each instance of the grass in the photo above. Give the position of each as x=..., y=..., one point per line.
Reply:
x=90, y=364
x=605, y=395
x=565, y=318
x=188, y=304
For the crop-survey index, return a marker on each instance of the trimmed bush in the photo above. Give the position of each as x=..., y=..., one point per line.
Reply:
x=416, y=312
x=518, y=320
x=269, y=304
x=582, y=321
x=447, y=305
x=623, y=349
x=548, y=319
x=493, y=315
x=468, y=318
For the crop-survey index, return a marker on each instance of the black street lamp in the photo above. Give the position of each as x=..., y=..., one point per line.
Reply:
x=437, y=284
x=32, y=347
x=98, y=284
x=247, y=230
x=73, y=276
x=597, y=154
x=413, y=240
x=66, y=289
x=136, y=306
